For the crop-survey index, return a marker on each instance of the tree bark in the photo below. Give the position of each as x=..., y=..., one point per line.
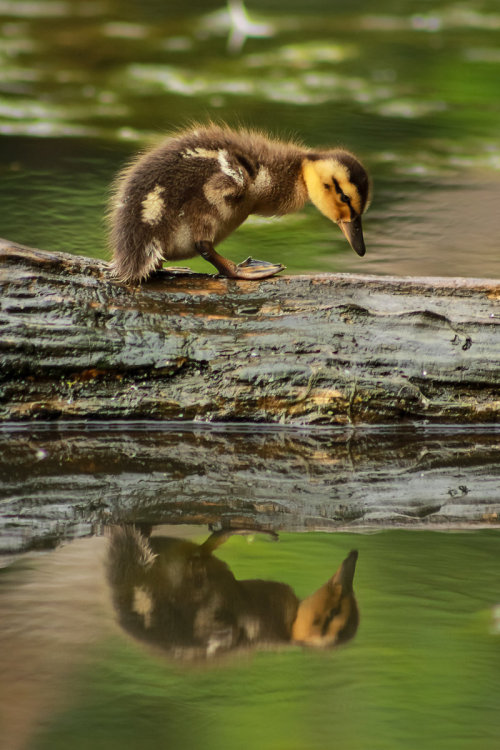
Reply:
x=319, y=349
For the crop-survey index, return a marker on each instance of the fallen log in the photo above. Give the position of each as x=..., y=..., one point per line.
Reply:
x=59, y=481
x=319, y=349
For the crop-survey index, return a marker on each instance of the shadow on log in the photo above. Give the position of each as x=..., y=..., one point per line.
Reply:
x=322, y=349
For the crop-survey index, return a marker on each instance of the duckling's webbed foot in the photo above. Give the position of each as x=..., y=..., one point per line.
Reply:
x=259, y=269
x=249, y=269
x=161, y=271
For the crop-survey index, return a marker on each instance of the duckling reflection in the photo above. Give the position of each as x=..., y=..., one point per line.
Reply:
x=176, y=594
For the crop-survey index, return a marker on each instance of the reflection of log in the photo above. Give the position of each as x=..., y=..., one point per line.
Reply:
x=315, y=349
x=63, y=481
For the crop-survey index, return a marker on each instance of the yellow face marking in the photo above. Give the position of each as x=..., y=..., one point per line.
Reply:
x=318, y=175
x=153, y=206
x=312, y=613
x=323, y=616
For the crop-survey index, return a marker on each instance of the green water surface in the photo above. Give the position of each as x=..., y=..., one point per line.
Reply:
x=422, y=672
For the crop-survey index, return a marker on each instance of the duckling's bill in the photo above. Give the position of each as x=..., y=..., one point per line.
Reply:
x=353, y=232
x=347, y=570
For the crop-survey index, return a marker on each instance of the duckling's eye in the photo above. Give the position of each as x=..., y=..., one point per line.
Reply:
x=330, y=616
x=345, y=198
x=326, y=185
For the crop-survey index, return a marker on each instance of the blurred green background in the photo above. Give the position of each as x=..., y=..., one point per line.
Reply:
x=412, y=87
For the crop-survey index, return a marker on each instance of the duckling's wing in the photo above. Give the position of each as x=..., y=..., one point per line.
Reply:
x=225, y=174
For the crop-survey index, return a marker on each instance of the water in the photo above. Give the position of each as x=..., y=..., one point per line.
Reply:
x=422, y=670
x=420, y=504
x=412, y=87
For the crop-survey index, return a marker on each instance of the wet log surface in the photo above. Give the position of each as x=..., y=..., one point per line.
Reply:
x=61, y=481
x=322, y=349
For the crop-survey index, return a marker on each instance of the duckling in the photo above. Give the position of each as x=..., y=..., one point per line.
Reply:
x=189, y=193
x=178, y=595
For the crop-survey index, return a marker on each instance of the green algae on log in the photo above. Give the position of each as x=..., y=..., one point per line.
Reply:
x=318, y=349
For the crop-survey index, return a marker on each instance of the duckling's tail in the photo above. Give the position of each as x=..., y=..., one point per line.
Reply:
x=136, y=252
x=130, y=559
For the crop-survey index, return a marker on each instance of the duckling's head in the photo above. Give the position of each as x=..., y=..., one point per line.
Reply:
x=339, y=187
x=330, y=616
